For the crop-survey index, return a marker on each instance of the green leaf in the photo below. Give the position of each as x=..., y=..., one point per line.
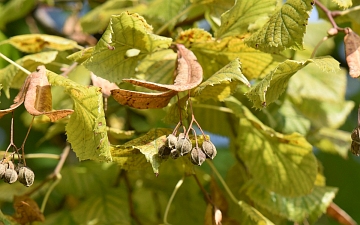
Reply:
x=86, y=130
x=297, y=209
x=86, y=179
x=285, y=29
x=102, y=207
x=223, y=83
x=5, y=220
x=11, y=76
x=38, y=42
x=169, y=11
x=127, y=40
x=98, y=19
x=343, y=3
x=274, y=84
x=251, y=216
x=244, y=17
x=14, y=10
x=331, y=141
x=63, y=217
x=288, y=158
x=139, y=152
x=213, y=54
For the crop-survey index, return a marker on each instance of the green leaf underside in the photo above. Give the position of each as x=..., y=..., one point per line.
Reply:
x=214, y=55
x=11, y=76
x=223, y=83
x=297, y=209
x=86, y=130
x=243, y=17
x=138, y=153
x=275, y=83
x=38, y=42
x=251, y=216
x=127, y=40
x=285, y=29
x=288, y=158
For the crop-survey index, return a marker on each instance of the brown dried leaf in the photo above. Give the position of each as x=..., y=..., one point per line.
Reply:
x=18, y=100
x=105, y=85
x=352, y=52
x=26, y=210
x=38, y=99
x=142, y=100
x=189, y=73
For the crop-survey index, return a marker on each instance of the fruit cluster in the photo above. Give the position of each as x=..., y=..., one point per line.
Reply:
x=182, y=145
x=11, y=173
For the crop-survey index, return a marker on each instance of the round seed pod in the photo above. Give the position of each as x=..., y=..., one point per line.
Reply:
x=2, y=170
x=10, y=176
x=209, y=149
x=164, y=152
x=171, y=141
x=183, y=145
x=26, y=176
x=174, y=154
x=197, y=156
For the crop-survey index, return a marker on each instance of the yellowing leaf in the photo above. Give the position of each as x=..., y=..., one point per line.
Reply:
x=223, y=83
x=127, y=40
x=274, y=84
x=214, y=55
x=138, y=153
x=86, y=130
x=285, y=29
x=11, y=76
x=297, y=209
x=243, y=16
x=38, y=42
x=98, y=18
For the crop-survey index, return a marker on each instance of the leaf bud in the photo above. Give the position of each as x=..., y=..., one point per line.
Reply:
x=183, y=145
x=332, y=31
x=10, y=176
x=26, y=176
x=171, y=141
x=209, y=149
x=197, y=156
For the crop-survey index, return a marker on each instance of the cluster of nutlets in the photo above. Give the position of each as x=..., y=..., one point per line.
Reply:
x=11, y=173
x=182, y=145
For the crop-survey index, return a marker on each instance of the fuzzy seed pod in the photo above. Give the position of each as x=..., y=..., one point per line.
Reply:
x=26, y=176
x=209, y=149
x=2, y=170
x=183, y=145
x=171, y=141
x=10, y=176
x=197, y=156
x=174, y=154
x=164, y=152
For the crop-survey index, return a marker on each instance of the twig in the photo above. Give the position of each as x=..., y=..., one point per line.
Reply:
x=23, y=144
x=329, y=14
x=206, y=194
x=123, y=174
x=177, y=186
x=15, y=64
